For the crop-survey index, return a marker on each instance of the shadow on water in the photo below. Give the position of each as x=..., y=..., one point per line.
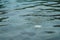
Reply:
x=56, y=25
x=2, y=12
x=1, y=6
x=49, y=32
x=3, y=18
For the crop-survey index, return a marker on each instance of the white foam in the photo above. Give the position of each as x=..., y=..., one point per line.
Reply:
x=37, y=26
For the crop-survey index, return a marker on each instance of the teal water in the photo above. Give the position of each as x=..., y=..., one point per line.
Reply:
x=29, y=19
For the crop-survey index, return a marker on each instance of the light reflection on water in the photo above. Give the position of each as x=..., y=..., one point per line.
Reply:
x=29, y=20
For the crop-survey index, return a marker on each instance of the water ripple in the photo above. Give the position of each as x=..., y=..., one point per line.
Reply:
x=29, y=20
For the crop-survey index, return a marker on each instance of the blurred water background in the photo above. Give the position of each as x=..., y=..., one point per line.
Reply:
x=29, y=19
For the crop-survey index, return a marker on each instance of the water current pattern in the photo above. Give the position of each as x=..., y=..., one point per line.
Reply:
x=29, y=19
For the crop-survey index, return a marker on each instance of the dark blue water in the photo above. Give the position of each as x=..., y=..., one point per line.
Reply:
x=29, y=19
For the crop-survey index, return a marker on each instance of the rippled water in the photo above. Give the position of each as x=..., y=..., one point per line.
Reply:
x=30, y=20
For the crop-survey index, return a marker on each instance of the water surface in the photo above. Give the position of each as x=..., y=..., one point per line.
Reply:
x=29, y=20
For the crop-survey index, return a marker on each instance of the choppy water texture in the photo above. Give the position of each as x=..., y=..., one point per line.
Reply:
x=29, y=19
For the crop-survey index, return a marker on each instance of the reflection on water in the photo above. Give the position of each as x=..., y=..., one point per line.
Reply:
x=29, y=20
